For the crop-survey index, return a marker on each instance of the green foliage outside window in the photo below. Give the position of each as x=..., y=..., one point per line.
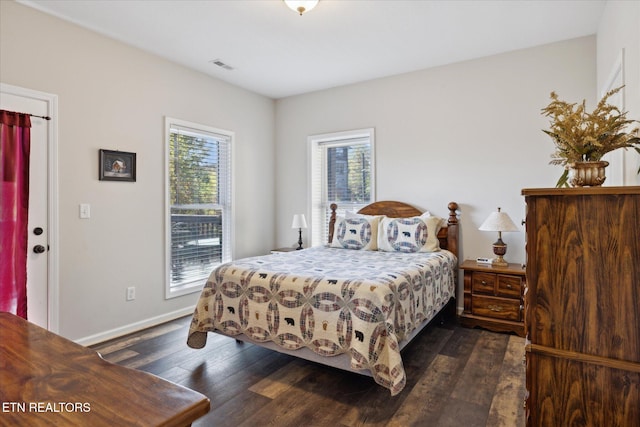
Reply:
x=193, y=174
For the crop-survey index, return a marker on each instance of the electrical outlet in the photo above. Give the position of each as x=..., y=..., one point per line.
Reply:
x=131, y=293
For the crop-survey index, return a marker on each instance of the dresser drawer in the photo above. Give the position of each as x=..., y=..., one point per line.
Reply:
x=483, y=283
x=509, y=286
x=497, y=308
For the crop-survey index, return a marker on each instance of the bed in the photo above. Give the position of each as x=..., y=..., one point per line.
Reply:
x=354, y=303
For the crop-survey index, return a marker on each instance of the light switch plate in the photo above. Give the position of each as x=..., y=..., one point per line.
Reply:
x=85, y=211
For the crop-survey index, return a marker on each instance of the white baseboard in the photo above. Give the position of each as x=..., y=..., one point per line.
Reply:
x=133, y=327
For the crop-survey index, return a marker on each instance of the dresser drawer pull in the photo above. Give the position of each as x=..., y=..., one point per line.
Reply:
x=484, y=282
x=508, y=286
x=495, y=308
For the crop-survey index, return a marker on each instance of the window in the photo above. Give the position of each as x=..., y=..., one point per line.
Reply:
x=198, y=204
x=342, y=172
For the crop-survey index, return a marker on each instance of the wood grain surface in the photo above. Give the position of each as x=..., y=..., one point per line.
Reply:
x=46, y=380
x=455, y=376
x=582, y=307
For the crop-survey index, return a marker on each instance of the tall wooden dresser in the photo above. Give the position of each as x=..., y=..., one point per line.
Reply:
x=582, y=306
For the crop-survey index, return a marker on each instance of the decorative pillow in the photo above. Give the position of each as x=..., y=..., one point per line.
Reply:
x=443, y=221
x=415, y=234
x=358, y=232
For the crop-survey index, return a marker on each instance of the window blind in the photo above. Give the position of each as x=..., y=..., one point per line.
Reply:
x=199, y=192
x=341, y=172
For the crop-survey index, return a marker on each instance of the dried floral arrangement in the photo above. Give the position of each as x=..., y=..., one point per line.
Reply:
x=582, y=136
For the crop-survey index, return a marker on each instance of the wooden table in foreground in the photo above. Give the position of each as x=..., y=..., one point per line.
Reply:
x=46, y=379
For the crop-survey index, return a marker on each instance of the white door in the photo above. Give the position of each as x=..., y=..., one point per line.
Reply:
x=38, y=225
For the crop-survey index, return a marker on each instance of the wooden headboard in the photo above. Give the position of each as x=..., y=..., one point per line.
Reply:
x=448, y=236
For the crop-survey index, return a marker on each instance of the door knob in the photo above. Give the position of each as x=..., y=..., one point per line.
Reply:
x=39, y=249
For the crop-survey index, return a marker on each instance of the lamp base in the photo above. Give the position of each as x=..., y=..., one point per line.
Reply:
x=499, y=249
x=299, y=239
x=499, y=262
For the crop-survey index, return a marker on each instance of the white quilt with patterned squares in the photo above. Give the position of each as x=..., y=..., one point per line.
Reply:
x=330, y=300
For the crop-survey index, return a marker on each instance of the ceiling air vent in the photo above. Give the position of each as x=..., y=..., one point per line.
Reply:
x=221, y=64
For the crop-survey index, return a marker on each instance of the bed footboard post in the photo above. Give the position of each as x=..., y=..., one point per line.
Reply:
x=332, y=221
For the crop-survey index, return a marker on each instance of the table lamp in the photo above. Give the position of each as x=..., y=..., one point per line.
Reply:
x=499, y=221
x=299, y=222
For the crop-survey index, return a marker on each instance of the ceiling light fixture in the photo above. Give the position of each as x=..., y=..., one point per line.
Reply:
x=301, y=6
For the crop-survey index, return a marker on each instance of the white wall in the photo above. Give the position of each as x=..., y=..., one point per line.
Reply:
x=468, y=132
x=619, y=31
x=116, y=97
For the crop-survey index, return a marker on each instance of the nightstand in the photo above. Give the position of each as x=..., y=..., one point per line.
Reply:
x=282, y=250
x=493, y=297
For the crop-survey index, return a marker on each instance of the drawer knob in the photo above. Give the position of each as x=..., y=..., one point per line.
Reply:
x=508, y=286
x=495, y=308
x=484, y=282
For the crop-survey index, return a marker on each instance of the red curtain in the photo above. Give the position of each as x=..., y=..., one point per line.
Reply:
x=15, y=144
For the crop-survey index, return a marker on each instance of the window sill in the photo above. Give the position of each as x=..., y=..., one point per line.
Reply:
x=186, y=289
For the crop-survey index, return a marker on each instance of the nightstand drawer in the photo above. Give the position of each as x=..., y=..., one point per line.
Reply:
x=493, y=296
x=509, y=286
x=497, y=308
x=483, y=283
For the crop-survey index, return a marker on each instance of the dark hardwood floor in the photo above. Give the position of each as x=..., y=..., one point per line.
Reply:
x=455, y=377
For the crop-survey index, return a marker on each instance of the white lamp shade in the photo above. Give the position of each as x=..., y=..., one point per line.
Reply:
x=498, y=221
x=299, y=221
x=301, y=6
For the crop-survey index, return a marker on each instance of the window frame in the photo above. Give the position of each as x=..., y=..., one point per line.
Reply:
x=318, y=231
x=228, y=243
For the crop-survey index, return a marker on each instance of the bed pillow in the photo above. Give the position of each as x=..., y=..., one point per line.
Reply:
x=415, y=234
x=355, y=231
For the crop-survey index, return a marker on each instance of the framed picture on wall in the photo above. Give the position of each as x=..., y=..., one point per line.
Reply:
x=117, y=166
